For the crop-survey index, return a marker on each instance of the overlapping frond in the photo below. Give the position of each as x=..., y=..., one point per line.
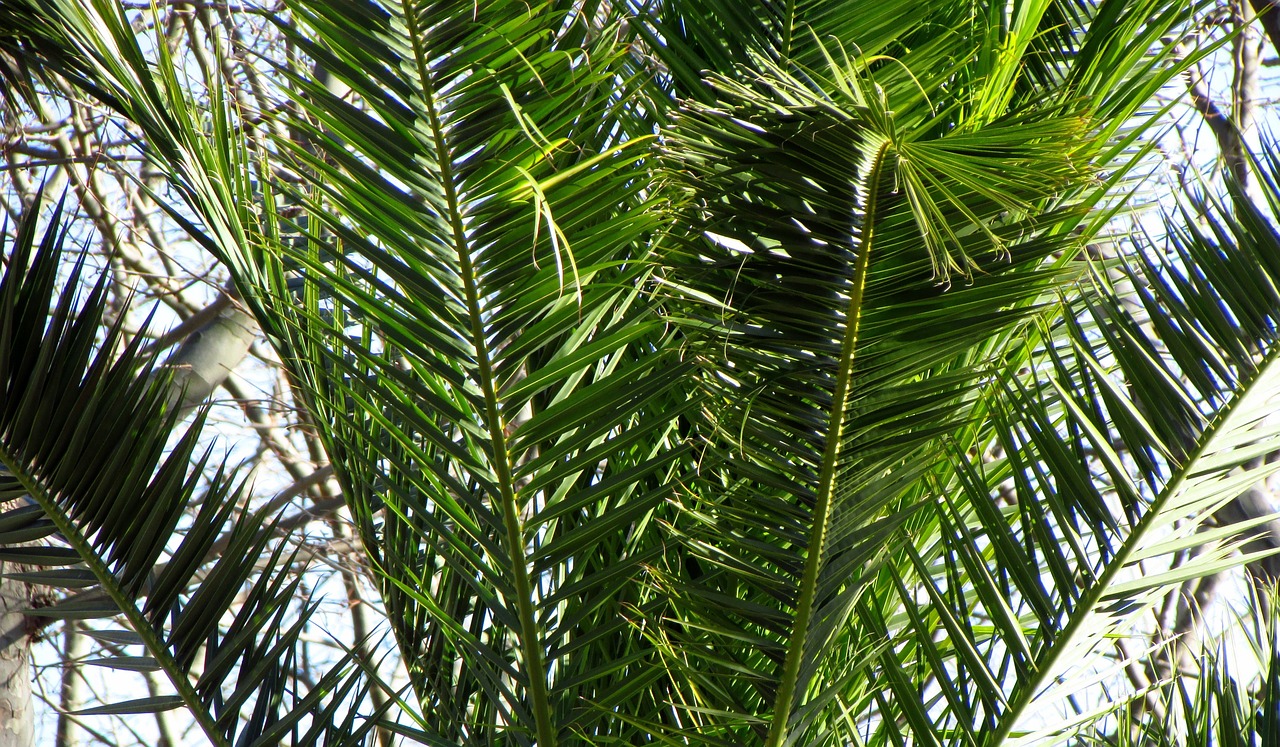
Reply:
x=1234, y=699
x=453, y=272
x=867, y=255
x=1022, y=50
x=83, y=437
x=1149, y=417
x=474, y=338
x=451, y=237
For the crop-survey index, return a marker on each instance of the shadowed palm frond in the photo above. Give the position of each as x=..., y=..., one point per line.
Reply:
x=866, y=259
x=84, y=443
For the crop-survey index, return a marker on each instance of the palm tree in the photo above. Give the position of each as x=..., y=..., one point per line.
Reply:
x=696, y=374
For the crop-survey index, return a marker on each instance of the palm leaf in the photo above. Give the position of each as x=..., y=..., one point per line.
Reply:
x=84, y=436
x=1139, y=429
x=1233, y=700
x=454, y=269
x=461, y=305
x=840, y=372
x=1198, y=406
x=474, y=339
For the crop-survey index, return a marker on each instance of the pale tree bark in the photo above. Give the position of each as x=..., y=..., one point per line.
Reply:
x=17, y=715
x=210, y=351
x=74, y=647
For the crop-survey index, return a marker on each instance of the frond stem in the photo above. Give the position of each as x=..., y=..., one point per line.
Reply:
x=830, y=459
x=530, y=641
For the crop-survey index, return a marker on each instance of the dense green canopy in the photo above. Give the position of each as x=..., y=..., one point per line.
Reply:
x=697, y=372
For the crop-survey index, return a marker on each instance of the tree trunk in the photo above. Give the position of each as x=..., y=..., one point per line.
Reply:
x=17, y=716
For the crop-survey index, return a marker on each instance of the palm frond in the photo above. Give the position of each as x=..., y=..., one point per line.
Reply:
x=83, y=435
x=866, y=257
x=462, y=306
x=1145, y=422
x=475, y=339
x=1232, y=696
x=884, y=210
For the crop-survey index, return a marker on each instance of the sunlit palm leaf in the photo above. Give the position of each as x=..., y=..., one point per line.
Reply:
x=475, y=340
x=841, y=371
x=1140, y=429
x=454, y=267
x=1233, y=700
